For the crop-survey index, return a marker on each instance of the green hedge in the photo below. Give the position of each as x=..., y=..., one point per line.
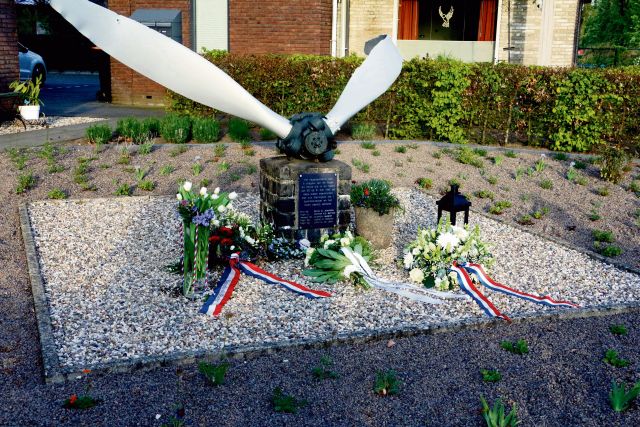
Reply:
x=445, y=100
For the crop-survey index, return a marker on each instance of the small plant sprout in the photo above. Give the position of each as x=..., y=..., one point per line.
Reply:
x=525, y=220
x=145, y=148
x=618, y=329
x=285, y=403
x=493, y=180
x=491, y=375
x=146, y=185
x=167, y=170
x=519, y=347
x=360, y=165
x=219, y=150
x=368, y=145
x=26, y=182
x=499, y=207
x=123, y=190
x=177, y=150
x=607, y=250
x=619, y=398
x=140, y=173
x=496, y=416
x=561, y=157
x=603, y=191
x=611, y=357
x=484, y=194
x=436, y=154
x=572, y=174
x=375, y=153
x=540, y=166
x=546, y=184
x=214, y=373
x=603, y=236
x=323, y=370
x=57, y=194
x=511, y=154
x=387, y=383
x=519, y=174
x=497, y=160
x=223, y=167
x=540, y=213
x=480, y=152
x=197, y=169
x=594, y=215
x=400, y=149
x=424, y=183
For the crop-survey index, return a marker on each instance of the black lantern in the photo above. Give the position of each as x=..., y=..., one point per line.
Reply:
x=454, y=202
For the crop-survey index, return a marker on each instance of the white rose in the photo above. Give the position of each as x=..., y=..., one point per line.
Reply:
x=179, y=196
x=416, y=275
x=416, y=251
x=203, y=191
x=408, y=260
x=221, y=208
x=187, y=186
x=213, y=196
x=233, y=195
x=217, y=190
x=345, y=241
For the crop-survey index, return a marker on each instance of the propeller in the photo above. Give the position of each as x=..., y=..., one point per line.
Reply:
x=173, y=65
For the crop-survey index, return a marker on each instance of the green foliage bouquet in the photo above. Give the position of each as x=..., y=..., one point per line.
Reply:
x=430, y=255
x=198, y=212
x=374, y=194
x=330, y=265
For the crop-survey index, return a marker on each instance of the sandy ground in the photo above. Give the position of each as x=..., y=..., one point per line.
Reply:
x=563, y=381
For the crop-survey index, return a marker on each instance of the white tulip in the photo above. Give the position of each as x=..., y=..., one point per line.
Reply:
x=203, y=191
x=233, y=195
x=179, y=196
x=222, y=208
x=213, y=196
x=217, y=190
x=187, y=186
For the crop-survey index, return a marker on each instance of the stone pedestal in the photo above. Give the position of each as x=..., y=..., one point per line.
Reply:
x=297, y=196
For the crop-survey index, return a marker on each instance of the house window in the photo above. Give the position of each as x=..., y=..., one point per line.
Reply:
x=461, y=20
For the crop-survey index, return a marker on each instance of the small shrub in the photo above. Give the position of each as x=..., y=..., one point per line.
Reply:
x=249, y=152
x=205, y=130
x=145, y=148
x=400, y=149
x=26, y=182
x=519, y=173
x=540, y=212
x=368, y=145
x=363, y=131
x=491, y=375
x=635, y=187
x=493, y=180
x=618, y=329
x=146, y=185
x=608, y=250
x=496, y=416
x=497, y=160
x=55, y=169
x=454, y=181
x=219, y=150
x=166, y=170
x=285, y=403
x=151, y=127
x=480, y=152
x=484, y=194
x=611, y=357
x=98, y=134
x=594, y=215
x=424, y=183
x=619, y=398
x=436, y=154
x=525, y=220
x=18, y=157
x=251, y=169
x=57, y=194
x=239, y=130
x=546, y=184
x=580, y=165
x=603, y=191
x=214, y=373
x=519, y=347
x=197, y=169
x=267, y=135
x=375, y=153
x=572, y=174
x=360, y=165
x=603, y=236
x=223, y=167
x=511, y=154
x=540, y=166
x=561, y=157
x=122, y=190
x=323, y=370
x=499, y=207
x=234, y=177
x=387, y=383
x=613, y=162
x=131, y=129
x=175, y=129
x=582, y=180
x=468, y=157
x=176, y=151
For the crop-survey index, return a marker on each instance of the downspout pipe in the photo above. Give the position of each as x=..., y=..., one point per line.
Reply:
x=334, y=28
x=343, y=47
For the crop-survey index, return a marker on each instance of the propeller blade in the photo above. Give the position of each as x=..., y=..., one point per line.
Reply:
x=167, y=62
x=370, y=80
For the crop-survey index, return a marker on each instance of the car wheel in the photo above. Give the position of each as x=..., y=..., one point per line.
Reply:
x=38, y=70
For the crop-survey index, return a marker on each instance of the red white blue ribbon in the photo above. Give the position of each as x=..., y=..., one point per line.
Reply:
x=463, y=272
x=231, y=275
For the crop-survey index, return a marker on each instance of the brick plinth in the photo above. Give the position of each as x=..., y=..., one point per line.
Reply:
x=279, y=194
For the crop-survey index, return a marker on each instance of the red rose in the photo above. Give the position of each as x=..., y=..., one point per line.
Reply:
x=226, y=231
x=214, y=239
x=226, y=242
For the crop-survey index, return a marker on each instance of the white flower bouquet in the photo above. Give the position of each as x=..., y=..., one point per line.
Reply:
x=429, y=257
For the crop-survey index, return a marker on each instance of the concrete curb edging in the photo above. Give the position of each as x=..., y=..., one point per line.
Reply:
x=54, y=372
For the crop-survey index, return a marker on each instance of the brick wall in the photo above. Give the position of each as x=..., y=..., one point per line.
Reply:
x=127, y=86
x=9, y=70
x=280, y=26
x=368, y=19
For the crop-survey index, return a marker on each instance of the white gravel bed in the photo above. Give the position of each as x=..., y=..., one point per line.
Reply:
x=103, y=260
x=46, y=122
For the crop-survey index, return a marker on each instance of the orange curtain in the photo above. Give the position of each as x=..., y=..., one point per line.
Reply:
x=408, y=25
x=487, y=23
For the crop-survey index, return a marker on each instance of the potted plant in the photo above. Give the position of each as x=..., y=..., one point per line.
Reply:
x=374, y=206
x=30, y=91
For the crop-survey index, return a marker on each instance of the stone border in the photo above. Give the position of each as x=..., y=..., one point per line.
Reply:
x=54, y=372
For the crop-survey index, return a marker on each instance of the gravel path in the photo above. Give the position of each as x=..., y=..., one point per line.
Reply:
x=562, y=382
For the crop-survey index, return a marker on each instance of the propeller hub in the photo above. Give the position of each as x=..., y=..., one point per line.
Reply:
x=310, y=138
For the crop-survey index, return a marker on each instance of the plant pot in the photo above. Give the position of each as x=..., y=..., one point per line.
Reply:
x=376, y=228
x=29, y=112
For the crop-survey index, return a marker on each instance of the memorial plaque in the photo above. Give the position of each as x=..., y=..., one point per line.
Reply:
x=317, y=200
